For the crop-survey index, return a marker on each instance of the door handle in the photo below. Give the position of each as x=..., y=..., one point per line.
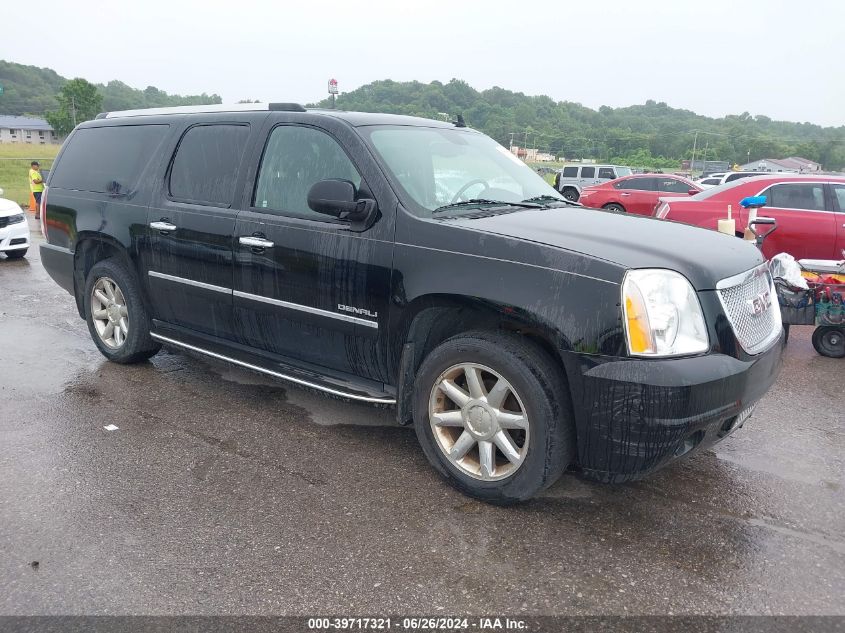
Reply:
x=255, y=242
x=162, y=226
x=624, y=194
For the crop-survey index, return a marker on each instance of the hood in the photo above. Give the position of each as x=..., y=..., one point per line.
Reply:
x=630, y=241
x=7, y=207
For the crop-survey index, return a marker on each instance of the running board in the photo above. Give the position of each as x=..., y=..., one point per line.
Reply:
x=299, y=381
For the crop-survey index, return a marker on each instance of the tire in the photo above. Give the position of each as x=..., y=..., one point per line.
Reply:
x=616, y=208
x=571, y=194
x=17, y=253
x=125, y=313
x=829, y=341
x=537, y=387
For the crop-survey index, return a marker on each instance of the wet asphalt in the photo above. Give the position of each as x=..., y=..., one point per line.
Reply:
x=222, y=492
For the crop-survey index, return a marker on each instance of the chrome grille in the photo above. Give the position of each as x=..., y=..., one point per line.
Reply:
x=755, y=324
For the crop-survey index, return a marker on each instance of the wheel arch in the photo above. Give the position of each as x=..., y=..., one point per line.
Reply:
x=92, y=248
x=431, y=319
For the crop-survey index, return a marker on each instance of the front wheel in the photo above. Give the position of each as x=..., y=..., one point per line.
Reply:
x=829, y=341
x=571, y=194
x=616, y=208
x=115, y=313
x=493, y=415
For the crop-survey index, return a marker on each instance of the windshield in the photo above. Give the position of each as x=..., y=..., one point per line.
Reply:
x=436, y=167
x=623, y=171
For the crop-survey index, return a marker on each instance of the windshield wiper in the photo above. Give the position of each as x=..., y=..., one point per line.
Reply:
x=481, y=202
x=548, y=198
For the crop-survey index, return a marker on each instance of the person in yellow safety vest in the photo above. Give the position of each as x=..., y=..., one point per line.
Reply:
x=36, y=186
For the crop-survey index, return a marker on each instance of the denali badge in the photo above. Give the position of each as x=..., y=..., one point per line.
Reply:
x=759, y=304
x=344, y=308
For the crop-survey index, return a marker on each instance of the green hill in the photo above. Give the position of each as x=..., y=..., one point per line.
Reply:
x=652, y=134
x=29, y=90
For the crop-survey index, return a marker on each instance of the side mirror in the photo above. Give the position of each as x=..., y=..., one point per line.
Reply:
x=692, y=192
x=337, y=198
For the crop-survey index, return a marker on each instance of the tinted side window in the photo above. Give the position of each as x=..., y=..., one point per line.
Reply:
x=570, y=172
x=640, y=184
x=295, y=158
x=673, y=186
x=606, y=172
x=797, y=196
x=206, y=164
x=733, y=177
x=107, y=159
x=588, y=172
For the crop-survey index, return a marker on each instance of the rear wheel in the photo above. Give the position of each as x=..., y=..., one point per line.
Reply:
x=829, y=341
x=618, y=208
x=16, y=254
x=115, y=313
x=571, y=194
x=493, y=415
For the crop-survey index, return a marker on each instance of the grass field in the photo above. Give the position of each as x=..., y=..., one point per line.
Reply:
x=14, y=167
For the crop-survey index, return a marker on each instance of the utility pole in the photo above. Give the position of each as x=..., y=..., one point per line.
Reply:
x=511, y=145
x=73, y=109
x=692, y=162
x=704, y=160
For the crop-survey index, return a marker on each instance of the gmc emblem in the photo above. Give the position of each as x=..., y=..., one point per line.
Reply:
x=759, y=304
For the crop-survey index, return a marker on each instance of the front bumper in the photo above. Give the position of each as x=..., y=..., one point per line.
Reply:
x=14, y=236
x=634, y=416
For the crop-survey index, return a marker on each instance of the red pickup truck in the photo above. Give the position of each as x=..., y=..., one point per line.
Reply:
x=810, y=212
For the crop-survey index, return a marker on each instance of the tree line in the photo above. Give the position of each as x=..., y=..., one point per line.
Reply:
x=41, y=92
x=649, y=135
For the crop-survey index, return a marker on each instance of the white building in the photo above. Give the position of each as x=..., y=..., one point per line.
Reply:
x=791, y=165
x=24, y=129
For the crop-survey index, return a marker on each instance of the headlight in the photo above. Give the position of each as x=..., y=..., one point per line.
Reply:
x=14, y=219
x=662, y=314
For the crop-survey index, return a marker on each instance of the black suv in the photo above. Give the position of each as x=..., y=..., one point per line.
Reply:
x=403, y=261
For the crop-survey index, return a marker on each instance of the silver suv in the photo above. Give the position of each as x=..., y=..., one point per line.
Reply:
x=573, y=178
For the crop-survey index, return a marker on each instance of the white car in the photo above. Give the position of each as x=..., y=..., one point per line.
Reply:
x=14, y=229
x=714, y=180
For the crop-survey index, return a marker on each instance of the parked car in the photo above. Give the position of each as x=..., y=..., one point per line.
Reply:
x=14, y=229
x=635, y=194
x=401, y=261
x=572, y=179
x=714, y=180
x=810, y=212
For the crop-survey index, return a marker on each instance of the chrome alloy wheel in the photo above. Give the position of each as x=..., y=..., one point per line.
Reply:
x=479, y=422
x=109, y=313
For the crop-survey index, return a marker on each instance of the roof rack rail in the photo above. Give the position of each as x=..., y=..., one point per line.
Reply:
x=198, y=109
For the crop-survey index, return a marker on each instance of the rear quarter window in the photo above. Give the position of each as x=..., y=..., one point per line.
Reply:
x=570, y=172
x=107, y=159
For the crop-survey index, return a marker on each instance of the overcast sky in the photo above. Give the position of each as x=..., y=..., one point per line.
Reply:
x=780, y=58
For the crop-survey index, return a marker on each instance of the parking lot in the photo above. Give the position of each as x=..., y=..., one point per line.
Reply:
x=223, y=492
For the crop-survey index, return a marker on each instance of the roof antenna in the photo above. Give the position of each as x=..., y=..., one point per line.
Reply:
x=460, y=121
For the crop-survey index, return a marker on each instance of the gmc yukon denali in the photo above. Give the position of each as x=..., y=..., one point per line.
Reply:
x=415, y=263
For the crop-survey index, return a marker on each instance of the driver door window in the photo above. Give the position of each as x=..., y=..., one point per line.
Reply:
x=295, y=159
